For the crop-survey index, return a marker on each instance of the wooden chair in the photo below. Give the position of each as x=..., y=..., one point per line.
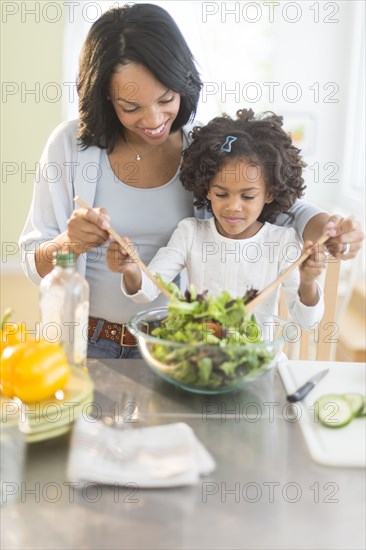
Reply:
x=318, y=343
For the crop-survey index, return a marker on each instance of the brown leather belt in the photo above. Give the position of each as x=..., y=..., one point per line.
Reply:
x=114, y=332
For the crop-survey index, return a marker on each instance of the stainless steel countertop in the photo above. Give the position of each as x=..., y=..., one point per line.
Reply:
x=266, y=492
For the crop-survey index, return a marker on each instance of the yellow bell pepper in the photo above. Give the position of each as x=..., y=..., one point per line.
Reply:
x=33, y=371
x=11, y=334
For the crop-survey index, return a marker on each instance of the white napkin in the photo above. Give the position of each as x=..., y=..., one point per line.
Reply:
x=158, y=456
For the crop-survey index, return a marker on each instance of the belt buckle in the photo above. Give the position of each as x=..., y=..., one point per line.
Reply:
x=123, y=335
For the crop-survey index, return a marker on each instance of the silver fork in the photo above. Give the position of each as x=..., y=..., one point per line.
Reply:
x=130, y=412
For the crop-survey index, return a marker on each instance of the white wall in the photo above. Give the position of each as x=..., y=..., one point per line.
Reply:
x=318, y=57
x=31, y=74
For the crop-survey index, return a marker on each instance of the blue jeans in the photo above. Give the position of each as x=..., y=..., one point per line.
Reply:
x=106, y=349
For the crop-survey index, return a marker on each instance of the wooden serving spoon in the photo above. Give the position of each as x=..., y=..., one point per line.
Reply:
x=132, y=253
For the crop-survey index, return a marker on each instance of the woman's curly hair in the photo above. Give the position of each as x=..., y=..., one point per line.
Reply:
x=261, y=141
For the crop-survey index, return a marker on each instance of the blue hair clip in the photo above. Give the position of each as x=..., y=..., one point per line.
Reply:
x=226, y=146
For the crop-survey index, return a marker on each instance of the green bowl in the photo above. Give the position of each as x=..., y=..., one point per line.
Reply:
x=209, y=368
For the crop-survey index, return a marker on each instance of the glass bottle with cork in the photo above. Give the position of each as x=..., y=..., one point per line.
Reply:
x=64, y=305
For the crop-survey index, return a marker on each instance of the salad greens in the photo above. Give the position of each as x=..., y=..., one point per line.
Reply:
x=224, y=344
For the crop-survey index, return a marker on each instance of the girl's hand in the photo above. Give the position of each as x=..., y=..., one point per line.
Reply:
x=86, y=229
x=119, y=261
x=312, y=268
x=346, y=239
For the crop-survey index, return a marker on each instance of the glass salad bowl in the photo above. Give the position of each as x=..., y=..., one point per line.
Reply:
x=215, y=359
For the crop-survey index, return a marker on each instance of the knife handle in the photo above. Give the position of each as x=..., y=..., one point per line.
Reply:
x=301, y=392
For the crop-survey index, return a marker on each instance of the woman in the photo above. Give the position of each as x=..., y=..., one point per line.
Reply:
x=138, y=92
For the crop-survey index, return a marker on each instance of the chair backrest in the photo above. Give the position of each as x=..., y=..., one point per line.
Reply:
x=318, y=343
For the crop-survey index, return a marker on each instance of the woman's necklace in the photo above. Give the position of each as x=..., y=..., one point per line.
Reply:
x=138, y=156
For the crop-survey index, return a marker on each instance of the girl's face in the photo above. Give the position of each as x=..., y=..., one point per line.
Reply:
x=144, y=106
x=238, y=194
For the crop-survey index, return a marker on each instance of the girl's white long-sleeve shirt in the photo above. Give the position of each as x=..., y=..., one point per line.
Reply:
x=216, y=263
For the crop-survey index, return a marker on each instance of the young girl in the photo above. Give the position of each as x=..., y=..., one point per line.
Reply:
x=246, y=171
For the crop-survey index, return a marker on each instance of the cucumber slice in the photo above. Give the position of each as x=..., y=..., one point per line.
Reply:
x=333, y=411
x=363, y=410
x=357, y=402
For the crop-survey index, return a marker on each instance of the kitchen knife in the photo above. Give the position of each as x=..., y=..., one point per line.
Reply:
x=302, y=392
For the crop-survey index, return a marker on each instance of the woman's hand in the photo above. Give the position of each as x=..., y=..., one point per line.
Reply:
x=310, y=270
x=87, y=228
x=346, y=239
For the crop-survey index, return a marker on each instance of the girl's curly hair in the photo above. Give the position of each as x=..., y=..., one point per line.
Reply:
x=262, y=141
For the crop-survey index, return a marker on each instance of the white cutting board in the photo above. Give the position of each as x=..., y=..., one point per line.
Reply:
x=331, y=446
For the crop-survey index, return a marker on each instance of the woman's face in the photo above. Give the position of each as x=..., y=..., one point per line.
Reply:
x=143, y=105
